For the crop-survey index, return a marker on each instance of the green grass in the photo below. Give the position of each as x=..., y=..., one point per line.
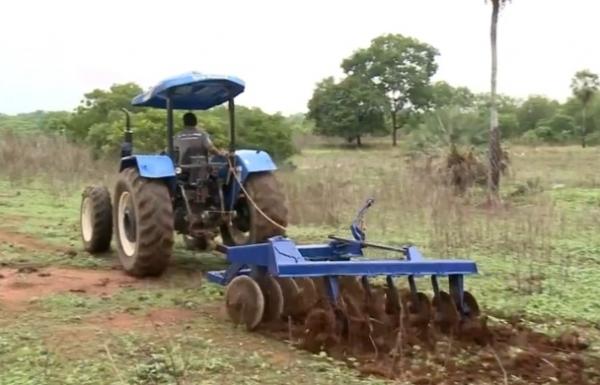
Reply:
x=175, y=357
x=55, y=343
x=538, y=259
x=201, y=351
x=526, y=267
x=34, y=210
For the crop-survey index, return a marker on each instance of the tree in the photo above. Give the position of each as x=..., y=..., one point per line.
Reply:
x=351, y=108
x=299, y=123
x=556, y=129
x=534, y=110
x=448, y=126
x=401, y=67
x=28, y=122
x=98, y=104
x=495, y=151
x=99, y=122
x=262, y=131
x=506, y=109
x=445, y=95
x=584, y=85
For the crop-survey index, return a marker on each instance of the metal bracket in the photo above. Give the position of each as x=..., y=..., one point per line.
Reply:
x=357, y=227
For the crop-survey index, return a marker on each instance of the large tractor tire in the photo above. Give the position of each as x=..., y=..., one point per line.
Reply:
x=96, y=219
x=143, y=222
x=250, y=225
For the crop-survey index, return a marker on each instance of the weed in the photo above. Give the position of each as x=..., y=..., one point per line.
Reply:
x=54, y=160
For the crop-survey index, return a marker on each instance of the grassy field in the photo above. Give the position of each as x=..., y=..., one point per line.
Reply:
x=166, y=331
x=538, y=257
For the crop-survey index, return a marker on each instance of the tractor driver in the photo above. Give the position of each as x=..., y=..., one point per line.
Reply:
x=193, y=141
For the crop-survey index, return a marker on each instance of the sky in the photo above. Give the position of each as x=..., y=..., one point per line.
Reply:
x=52, y=52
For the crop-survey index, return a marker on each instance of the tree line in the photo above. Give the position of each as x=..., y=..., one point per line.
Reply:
x=387, y=88
x=99, y=122
x=402, y=87
x=428, y=114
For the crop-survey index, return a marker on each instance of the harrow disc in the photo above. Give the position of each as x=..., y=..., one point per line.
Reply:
x=321, y=289
x=273, y=298
x=244, y=302
x=446, y=316
x=470, y=304
x=307, y=296
x=319, y=330
x=474, y=325
x=352, y=287
x=291, y=293
x=418, y=309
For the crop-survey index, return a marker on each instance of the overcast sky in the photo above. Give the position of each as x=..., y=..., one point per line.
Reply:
x=51, y=52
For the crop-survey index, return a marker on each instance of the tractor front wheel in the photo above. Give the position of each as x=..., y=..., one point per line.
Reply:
x=96, y=219
x=143, y=222
x=261, y=215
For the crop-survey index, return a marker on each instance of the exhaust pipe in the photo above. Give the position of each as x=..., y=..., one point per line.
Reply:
x=127, y=145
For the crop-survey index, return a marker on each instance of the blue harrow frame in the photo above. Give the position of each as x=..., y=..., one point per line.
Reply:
x=281, y=257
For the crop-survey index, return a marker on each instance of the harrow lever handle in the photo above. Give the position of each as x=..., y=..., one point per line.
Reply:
x=357, y=227
x=368, y=244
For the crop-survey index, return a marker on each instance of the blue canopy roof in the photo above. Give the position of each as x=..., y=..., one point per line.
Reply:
x=191, y=91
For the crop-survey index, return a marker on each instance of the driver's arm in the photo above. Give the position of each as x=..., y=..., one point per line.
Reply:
x=211, y=147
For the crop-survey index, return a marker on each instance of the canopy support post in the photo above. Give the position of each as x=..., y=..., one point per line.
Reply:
x=170, y=128
x=231, y=108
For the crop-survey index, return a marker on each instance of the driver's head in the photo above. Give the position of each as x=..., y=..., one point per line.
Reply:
x=189, y=119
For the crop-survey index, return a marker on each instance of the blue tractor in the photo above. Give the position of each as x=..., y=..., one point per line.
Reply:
x=234, y=195
x=325, y=290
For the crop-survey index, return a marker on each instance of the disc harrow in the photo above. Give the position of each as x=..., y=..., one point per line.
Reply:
x=331, y=296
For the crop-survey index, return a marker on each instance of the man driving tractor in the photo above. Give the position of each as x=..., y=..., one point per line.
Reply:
x=193, y=141
x=189, y=144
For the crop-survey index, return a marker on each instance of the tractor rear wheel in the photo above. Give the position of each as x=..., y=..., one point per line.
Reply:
x=96, y=219
x=250, y=225
x=143, y=222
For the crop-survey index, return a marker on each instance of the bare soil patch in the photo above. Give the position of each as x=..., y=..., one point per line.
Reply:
x=163, y=317
x=20, y=285
x=516, y=352
x=13, y=238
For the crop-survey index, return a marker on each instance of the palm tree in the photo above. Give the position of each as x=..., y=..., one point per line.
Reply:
x=584, y=85
x=495, y=151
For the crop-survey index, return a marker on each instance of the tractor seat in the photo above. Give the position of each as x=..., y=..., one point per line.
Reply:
x=190, y=146
x=192, y=157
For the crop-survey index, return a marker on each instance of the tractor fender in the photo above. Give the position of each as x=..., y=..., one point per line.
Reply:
x=254, y=161
x=150, y=166
x=248, y=162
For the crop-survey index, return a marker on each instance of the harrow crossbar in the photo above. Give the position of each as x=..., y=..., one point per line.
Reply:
x=281, y=257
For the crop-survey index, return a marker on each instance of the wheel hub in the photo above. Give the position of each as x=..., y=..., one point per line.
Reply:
x=239, y=226
x=86, y=219
x=126, y=223
x=129, y=224
x=242, y=218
